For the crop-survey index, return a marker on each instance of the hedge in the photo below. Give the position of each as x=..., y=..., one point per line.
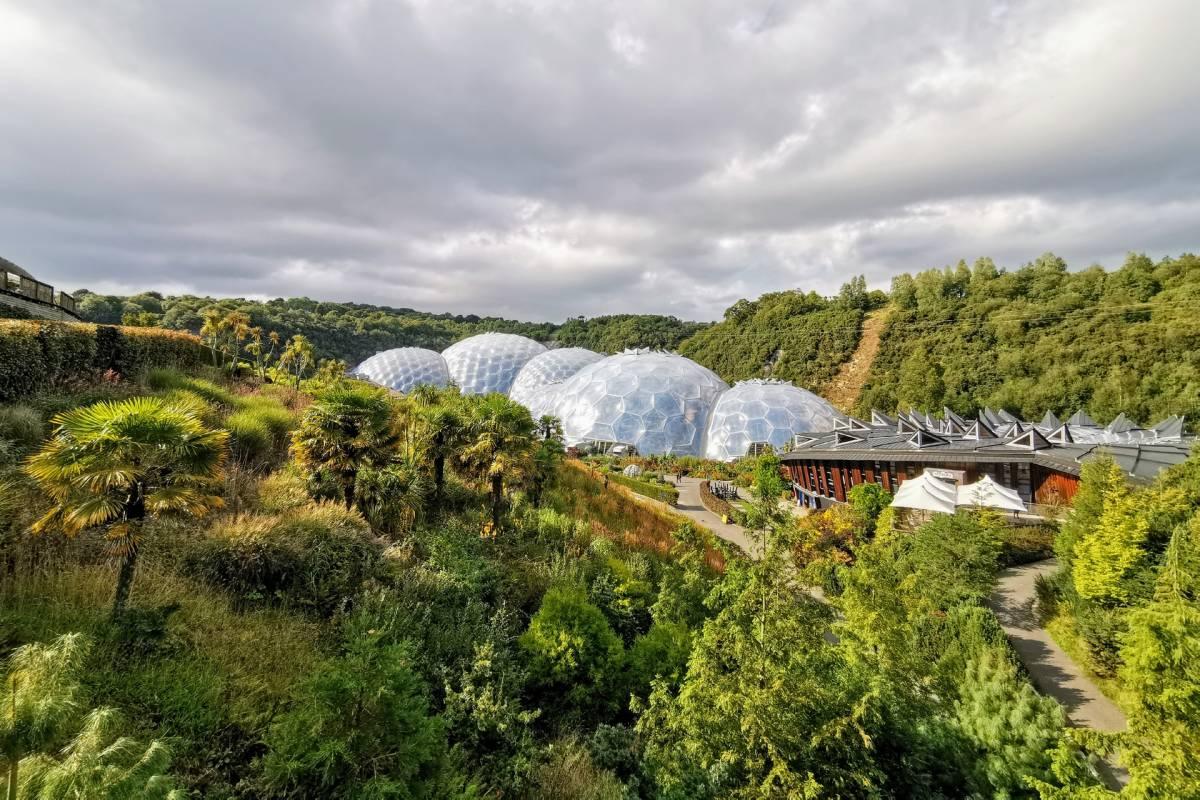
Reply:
x=657, y=491
x=718, y=506
x=36, y=355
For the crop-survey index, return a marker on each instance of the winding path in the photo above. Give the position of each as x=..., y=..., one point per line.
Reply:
x=1052, y=671
x=691, y=506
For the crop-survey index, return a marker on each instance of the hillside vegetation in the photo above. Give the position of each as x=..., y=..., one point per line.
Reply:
x=1042, y=338
x=223, y=587
x=352, y=332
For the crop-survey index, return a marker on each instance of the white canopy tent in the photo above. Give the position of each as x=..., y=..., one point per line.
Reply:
x=926, y=493
x=986, y=492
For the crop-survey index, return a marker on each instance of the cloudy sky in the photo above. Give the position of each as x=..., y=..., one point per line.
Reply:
x=543, y=159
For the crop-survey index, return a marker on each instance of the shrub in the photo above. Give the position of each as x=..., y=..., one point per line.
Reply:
x=569, y=774
x=661, y=653
x=316, y=558
x=717, y=505
x=656, y=491
x=572, y=651
x=252, y=442
x=22, y=426
x=282, y=491
x=1025, y=545
x=36, y=355
x=1048, y=594
x=1101, y=630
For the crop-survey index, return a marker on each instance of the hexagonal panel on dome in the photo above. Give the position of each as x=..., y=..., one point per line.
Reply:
x=764, y=411
x=657, y=402
x=552, y=366
x=404, y=368
x=489, y=362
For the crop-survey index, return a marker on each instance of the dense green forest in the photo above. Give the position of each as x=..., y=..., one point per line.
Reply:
x=216, y=586
x=791, y=335
x=1041, y=338
x=1030, y=340
x=352, y=332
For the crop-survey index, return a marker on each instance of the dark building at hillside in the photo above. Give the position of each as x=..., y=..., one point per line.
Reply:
x=1040, y=461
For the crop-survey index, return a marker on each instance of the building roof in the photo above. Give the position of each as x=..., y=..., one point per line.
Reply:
x=1141, y=453
x=8, y=266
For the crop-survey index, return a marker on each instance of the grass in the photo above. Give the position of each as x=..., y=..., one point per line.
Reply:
x=616, y=514
x=1062, y=630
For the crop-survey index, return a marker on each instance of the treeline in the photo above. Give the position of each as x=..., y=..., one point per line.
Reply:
x=351, y=332
x=795, y=336
x=1041, y=338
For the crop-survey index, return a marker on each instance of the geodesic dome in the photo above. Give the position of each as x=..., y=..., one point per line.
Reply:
x=764, y=411
x=404, y=368
x=552, y=366
x=489, y=362
x=657, y=402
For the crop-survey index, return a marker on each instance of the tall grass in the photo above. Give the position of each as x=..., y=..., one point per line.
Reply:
x=615, y=513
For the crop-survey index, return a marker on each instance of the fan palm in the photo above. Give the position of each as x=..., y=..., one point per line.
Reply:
x=99, y=763
x=500, y=446
x=445, y=429
x=349, y=427
x=40, y=692
x=113, y=464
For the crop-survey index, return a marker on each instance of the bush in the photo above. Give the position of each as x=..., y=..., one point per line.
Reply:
x=22, y=426
x=662, y=653
x=1047, y=593
x=315, y=559
x=1025, y=545
x=1101, y=630
x=282, y=491
x=717, y=505
x=37, y=355
x=252, y=441
x=657, y=491
x=573, y=653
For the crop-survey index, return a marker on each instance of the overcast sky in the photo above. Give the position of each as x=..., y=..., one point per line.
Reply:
x=543, y=159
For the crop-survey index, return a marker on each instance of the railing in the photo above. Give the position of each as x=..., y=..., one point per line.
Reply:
x=35, y=290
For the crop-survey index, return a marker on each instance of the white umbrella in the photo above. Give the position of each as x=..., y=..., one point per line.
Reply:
x=986, y=492
x=927, y=494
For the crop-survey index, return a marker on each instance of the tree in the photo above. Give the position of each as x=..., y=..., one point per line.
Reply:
x=1107, y=556
x=1014, y=729
x=347, y=428
x=1161, y=655
x=500, y=446
x=40, y=692
x=548, y=457
x=297, y=359
x=100, y=763
x=571, y=648
x=441, y=416
x=113, y=464
x=868, y=501
x=359, y=727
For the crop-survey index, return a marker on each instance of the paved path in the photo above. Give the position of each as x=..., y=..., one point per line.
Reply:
x=1052, y=670
x=690, y=506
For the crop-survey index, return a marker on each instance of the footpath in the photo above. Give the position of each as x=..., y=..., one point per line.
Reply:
x=1052, y=671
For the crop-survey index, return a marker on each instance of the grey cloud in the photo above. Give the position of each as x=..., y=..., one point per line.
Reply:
x=543, y=159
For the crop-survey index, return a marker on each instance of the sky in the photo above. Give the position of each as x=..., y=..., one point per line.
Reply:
x=541, y=160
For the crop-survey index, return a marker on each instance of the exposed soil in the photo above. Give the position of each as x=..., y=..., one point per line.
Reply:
x=844, y=390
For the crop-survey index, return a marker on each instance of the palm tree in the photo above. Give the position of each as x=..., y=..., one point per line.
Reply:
x=297, y=358
x=349, y=427
x=39, y=694
x=547, y=457
x=500, y=446
x=101, y=763
x=113, y=464
x=445, y=429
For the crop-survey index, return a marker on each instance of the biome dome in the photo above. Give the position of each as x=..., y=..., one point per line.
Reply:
x=404, y=368
x=551, y=367
x=489, y=362
x=764, y=411
x=657, y=402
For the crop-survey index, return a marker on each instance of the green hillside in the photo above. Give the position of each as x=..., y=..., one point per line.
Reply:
x=1042, y=338
x=354, y=331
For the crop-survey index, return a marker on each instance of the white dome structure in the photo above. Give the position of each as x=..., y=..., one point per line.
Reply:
x=489, y=362
x=657, y=402
x=764, y=412
x=404, y=368
x=552, y=366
